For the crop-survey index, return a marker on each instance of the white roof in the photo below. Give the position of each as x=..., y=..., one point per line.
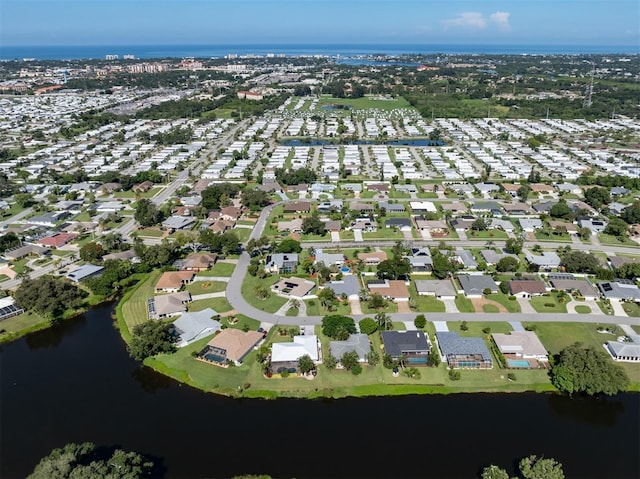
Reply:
x=300, y=346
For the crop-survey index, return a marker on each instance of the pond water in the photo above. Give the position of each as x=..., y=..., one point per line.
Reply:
x=75, y=382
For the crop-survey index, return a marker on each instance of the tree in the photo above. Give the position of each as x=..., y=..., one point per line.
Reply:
x=305, y=364
x=580, y=262
x=617, y=227
x=255, y=199
x=372, y=357
x=479, y=224
x=631, y=214
x=513, y=246
x=597, y=197
x=524, y=191
x=420, y=321
x=146, y=213
x=560, y=210
x=336, y=325
x=589, y=371
x=289, y=245
x=327, y=298
x=368, y=326
x=441, y=264
x=349, y=360
x=394, y=268
x=84, y=461
x=434, y=357
x=494, y=472
x=533, y=467
x=508, y=264
x=376, y=301
x=384, y=321
x=151, y=338
x=49, y=296
x=91, y=252
x=313, y=225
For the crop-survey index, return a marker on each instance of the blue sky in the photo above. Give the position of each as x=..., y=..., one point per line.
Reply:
x=146, y=22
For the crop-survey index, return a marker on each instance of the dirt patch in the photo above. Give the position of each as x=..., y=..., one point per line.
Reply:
x=228, y=313
x=479, y=302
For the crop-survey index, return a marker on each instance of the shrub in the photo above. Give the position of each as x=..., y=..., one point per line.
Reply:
x=454, y=375
x=511, y=376
x=464, y=326
x=420, y=322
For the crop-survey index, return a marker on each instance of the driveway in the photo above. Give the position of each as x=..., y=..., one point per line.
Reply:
x=357, y=235
x=335, y=236
x=525, y=306
x=450, y=306
x=354, y=302
x=618, y=310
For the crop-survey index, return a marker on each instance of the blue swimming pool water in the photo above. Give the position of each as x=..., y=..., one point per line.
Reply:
x=518, y=363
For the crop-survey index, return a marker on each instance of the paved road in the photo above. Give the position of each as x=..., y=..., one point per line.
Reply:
x=235, y=298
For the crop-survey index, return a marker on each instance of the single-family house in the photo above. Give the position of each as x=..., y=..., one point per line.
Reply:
x=473, y=285
x=420, y=260
x=297, y=207
x=355, y=342
x=167, y=305
x=441, y=288
x=464, y=258
x=142, y=187
x=627, y=351
x=400, y=223
x=570, y=285
x=596, y=226
x=455, y=207
x=516, y=209
x=9, y=308
x=463, y=352
x=546, y=260
x=128, y=255
x=361, y=207
x=293, y=287
x=394, y=289
x=23, y=251
x=372, y=258
x=58, y=240
x=293, y=226
x=230, y=344
x=285, y=356
x=329, y=259
x=173, y=281
x=412, y=346
x=523, y=288
x=491, y=257
x=192, y=326
x=173, y=223
x=487, y=207
x=199, y=261
x=84, y=272
x=282, y=263
x=349, y=285
x=623, y=290
x=520, y=345
x=391, y=207
x=530, y=224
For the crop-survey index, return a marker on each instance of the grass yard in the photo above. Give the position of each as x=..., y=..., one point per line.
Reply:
x=548, y=303
x=476, y=327
x=464, y=305
x=556, y=336
x=391, y=308
x=429, y=304
x=219, y=269
x=272, y=303
x=204, y=287
x=17, y=326
x=512, y=305
x=614, y=240
x=582, y=309
x=153, y=232
x=365, y=103
x=219, y=305
x=632, y=309
x=314, y=308
x=490, y=308
x=488, y=234
x=134, y=305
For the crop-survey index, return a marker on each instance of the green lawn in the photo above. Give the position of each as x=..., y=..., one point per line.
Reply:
x=204, y=287
x=490, y=308
x=429, y=304
x=488, y=234
x=219, y=305
x=464, y=305
x=13, y=328
x=582, y=309
x=632, y=309
x=476, y=327
x=152, y=232
x=556, y=336
x=314, y=308
x=614, y=240
x=548, y=303
x=134, y=309
x=272, y=303
x=219, y=269
x=512, y=305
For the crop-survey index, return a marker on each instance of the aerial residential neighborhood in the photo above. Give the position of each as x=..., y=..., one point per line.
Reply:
x=330, y=230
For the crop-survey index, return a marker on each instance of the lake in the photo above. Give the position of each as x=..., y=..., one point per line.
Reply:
x=75, y=382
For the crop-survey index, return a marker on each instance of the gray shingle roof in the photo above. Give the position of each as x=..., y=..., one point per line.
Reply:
x=451, y=343
x=397, y=343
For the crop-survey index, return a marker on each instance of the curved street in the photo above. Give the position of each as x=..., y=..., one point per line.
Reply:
x=235, y=298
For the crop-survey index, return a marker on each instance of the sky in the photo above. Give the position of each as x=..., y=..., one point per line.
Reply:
x=234, y=22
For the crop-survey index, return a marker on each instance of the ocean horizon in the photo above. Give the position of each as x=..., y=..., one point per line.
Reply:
x=97, y=52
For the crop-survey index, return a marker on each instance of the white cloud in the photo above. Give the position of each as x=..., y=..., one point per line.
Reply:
x=467, y=20
x=501, y=19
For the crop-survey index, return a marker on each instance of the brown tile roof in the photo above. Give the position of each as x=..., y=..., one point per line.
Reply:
x=235, y=342
x=174, y=279
x=376, y=255
x=199, y=260
x=526, y=286
x=394, y=288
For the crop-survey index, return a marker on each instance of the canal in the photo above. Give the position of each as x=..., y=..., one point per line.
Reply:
x=75, y=382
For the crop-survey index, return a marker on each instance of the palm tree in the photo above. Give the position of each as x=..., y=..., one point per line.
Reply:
x=384, y=321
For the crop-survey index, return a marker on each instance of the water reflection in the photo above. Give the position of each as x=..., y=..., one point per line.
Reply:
x=604, y=411
x=51, y=337
x=151, y=381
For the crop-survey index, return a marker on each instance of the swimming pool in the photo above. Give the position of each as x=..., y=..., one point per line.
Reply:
x=518, y=363
x=344, y=270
